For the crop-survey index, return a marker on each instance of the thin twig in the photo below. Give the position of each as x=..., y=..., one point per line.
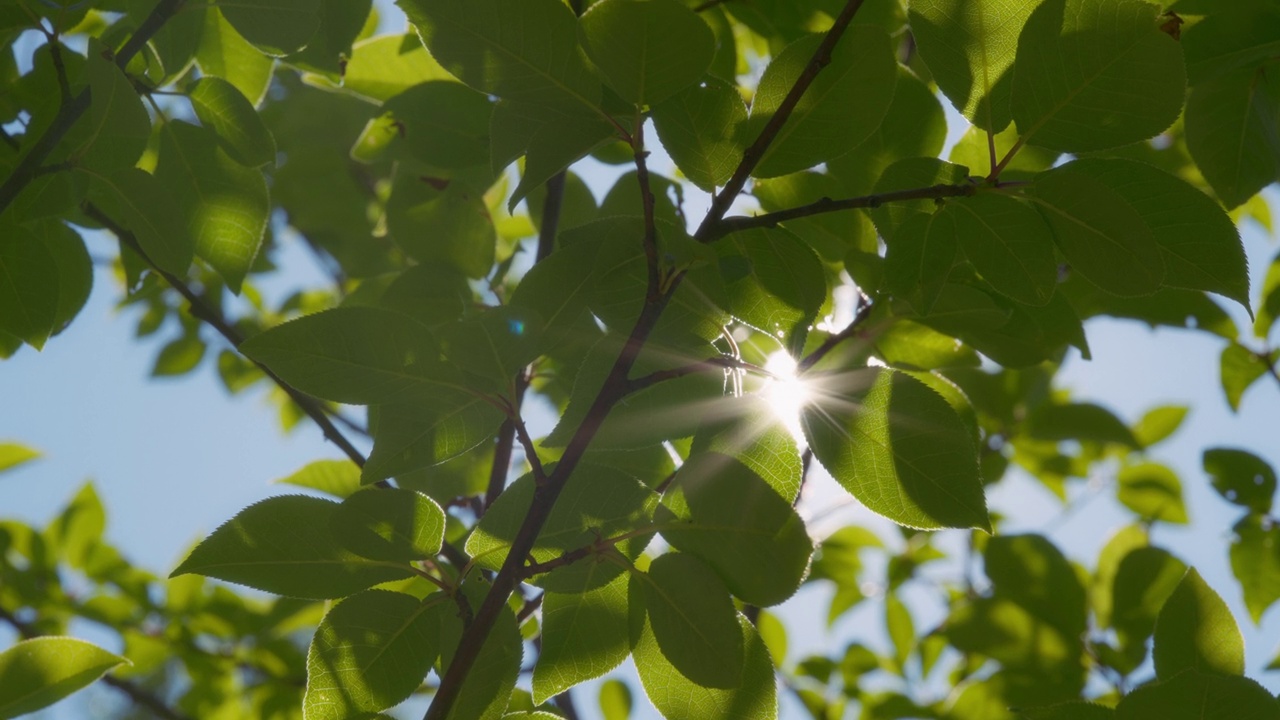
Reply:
x=652, y=280
x=530, y=452
x=724, y=362
x=859, y=317
x=530, y=607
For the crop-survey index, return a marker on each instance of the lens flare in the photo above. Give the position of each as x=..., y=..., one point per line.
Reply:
x=785, y=392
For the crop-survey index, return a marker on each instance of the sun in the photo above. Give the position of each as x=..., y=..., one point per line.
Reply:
x=785, y=392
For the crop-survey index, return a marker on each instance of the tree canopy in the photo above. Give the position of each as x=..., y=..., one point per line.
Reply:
x=580, y=412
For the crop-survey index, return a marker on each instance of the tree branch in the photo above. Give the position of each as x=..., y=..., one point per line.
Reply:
x=863, y=312
x=70, y=111
x=724, y=362
x=652, y=280
x=827, y=205
x=752, y=155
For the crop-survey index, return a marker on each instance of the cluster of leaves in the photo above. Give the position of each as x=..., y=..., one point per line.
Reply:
x=1089, y=183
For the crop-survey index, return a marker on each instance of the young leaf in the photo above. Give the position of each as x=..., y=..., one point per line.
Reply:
x=1241, y=477
x=898, y=447
x=1195, y=631
x=370, y=652
x=29, y=286
x=1255, y=561
x=647, y=50
x=283, y=545
x=145, y=207
x=842, y=107
x=276, y=27
x=679, y=698
x=13, y=454
x=1153, y=491
x=699, y=128
x=692, y=619
x=389, y=524
x=1159, y=423
x=719, y=511
x=225, y=54
x=339, y=478
x=615, y=700
x=1095, y=74
x=1008, y=243
x=223, y=205
x=223, y=109
x=584, y=635
x=409, y=436
x=41, y=671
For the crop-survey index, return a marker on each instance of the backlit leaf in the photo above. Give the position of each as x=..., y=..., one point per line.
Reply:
x=1008, y=243
x=1196, y=696
x=391, y=524
x=647, y=50
x=1195, y=631
x=409, y=436
x=692, y=619
x=222, y=108
x=699, y=128
x=38, y=672
x=117, y=123
x=1231, y=132
x=338, y=478
x=143, y=205
x=224, y=53
x=584, y=635
x=1255, y=561
x=1241, y=477
x=1153, y=491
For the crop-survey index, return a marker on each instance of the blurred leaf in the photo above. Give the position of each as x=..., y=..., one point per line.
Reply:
x=13, y=454
x=1255, y=561
x=1195, y=696
x=1159, y=423
x=1195, y=631
x=223, y=109
x=1240, y=368
x=1153, y=491
x=1241, y=477
x=38, y=672
x=615, y=700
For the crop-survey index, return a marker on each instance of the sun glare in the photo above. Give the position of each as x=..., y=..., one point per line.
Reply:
x=785, y=392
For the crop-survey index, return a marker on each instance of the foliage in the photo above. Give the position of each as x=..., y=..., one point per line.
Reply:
x=698, y=367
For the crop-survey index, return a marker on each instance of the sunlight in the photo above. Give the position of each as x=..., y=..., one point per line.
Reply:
x=785, y=392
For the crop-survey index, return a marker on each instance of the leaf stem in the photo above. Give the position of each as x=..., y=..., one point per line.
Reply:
x=1004, y=162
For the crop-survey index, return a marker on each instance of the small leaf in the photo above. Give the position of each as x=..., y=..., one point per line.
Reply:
x=615, y=700
x=276, y=27
x=339, y=478
x=179, y=357
x=77, y=531
x=223, y=109
x=13, y=454
x=785, y=288
x=443, y=124
x=898, y=447
x=553, y=139
x=1240, y=368
x=719, y=511
x=1032, y=572
x=385, y=66
x=692, y=619
x=699, y=128
x=390, y=524
x=1255, y=561
x=29, y=286
x=1153, y=491
x=1080, y=421
x=1241, y=477
x=1144, y=580
x=1159, y=423
x=584, y=635
x=370, y=652
x=647, y=50
x=38, y=672
x=75, y=268
x=1195, y=631
x=283, y=545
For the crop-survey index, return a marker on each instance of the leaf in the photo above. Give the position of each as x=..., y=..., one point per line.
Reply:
x=907, y=174
x=1159, y=423
x=1195, y=631
x=223, y=205
x=77, y=531
x=842, y=107
x=492, y=347
x=1100, y=231
x=1008, y=243
x=29, y=286
x=1124, y=541
x=339, y=478
x=1080, y=421
x=1255, y=561
x=1153, y=491
x=14, y=454
x=75, y=268
x=919, y=260
x=615, y=700
x=584, y=635
x=224, y=109
x=391, y=524
x=409, y=436
x=38, y=672
x=145, y=207
x=900, y=628
x=1195, y=696
x=647, y=50
x=329, y=49
x=515, y=49
x=1070, y=711
x=1009, y=634
x=1032, y=572
x=557, y=289
x=1269, y=305
x=276, y=27
x=1231, y=37
x=755, y=435
x=1144, y=580
x=1231, y=132
x=1241, y=477
x=721, y=512
x=970, y=48
x=553, y=138
x=443, y=124
x=385, y=66
x=896, y=446
x=179, y=357
x=692, y=619
x=1239, y=368
x=486, y=691
x=832, y=235
x=785, y=287
x=223, y=53
x=449, y=224
x=357, y=355
x=117, y=125
x=973, y=150
x=679, y=698
x=370, y=652
x=1095, y=74
x=283, y=545
x=699, y=128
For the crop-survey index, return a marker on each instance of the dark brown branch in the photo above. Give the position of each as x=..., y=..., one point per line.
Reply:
x=530, y=452
x=859, y=317
x=530, y=607
x=204, y=311
x=827, y=205
x=753, y=154
x=70, y=110
x=717, y=363
x=564, y=701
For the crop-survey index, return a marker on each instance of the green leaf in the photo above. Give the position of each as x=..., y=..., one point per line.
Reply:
x=1153, y=491
x=517, y=49
x=1070, y=711
x=224, y=109
x=276, y=27
x=328, y=50
x=283, y=545
x=1159, y=423
x=1233, y=36
x=117, y=124
x=77, y=531
x=14, y=454
x=75, y=268
x=486, y=691
x=615, y=700
x=1241, y=477
x=1195, y=631
x=832, y=235
x=897, y=446
x=389, y=524
x=692, y=619
x=1124, y=541
x=443, y=124
x=441, y=221
x=370, y=652
x=1099, y=230
x=357, y=355
x=29, y=286
x=1011, y=635
x=409, y=436
x=720, y=511
x=1255, y=561
x=907, y=174
x=492, y=347
x=385, y=66
x=900, y=628
x=755, y=435
x=647, y=50
x=785, y=287
x=339, y=478
x=433, y=294
x=970, y=48
x=584, y=635
x=557, y=289
x=1095, y=74
x=179, y=356
x=840, y=110
x=144, y=206
x=1030, y=571
x=1080, y=421
x=699, y=129
x=223, y=205
x=973, y=150
x=1144, y=580
x=224, y=53
x=1240, y=368
x=552, y=137
x=38, y=672
x=679, y=698
x=1269, y=305
x=1007, y=242
x=1195, y=696
x=919, y=259
x=1231, y=132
